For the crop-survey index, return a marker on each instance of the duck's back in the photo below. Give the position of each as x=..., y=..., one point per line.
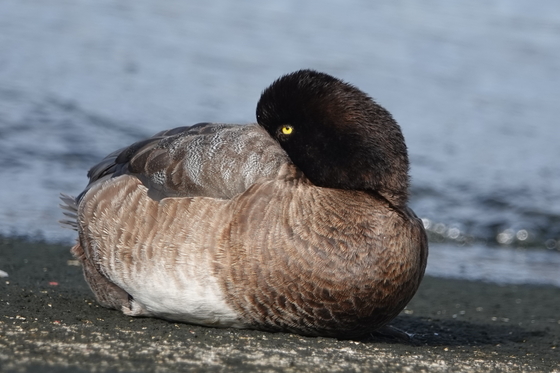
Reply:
x=206, y=159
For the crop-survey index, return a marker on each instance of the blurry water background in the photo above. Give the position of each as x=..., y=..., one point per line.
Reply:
x=474, y=85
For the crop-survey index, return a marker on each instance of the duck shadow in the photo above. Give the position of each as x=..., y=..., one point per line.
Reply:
x=437, y=332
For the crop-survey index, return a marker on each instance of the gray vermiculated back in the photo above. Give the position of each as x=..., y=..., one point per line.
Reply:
x=207, y=159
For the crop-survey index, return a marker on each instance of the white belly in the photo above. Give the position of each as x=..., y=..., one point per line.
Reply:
x=181, y=292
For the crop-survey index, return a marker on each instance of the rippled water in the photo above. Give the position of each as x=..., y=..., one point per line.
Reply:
x=475, y=89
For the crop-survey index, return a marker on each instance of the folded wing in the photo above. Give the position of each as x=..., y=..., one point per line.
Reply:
x=207, y=159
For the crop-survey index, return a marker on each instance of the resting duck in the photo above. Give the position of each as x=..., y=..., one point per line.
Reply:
x=298, y=223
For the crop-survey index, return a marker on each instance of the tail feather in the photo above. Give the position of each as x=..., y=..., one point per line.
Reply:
x=71, y=211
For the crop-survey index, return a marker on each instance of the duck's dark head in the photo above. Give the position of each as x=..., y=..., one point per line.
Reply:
x=336, y=134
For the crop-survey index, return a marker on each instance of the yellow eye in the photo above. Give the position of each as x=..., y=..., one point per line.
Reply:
x=287, y=130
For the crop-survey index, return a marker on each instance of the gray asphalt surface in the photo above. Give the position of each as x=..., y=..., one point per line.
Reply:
x=50, y=322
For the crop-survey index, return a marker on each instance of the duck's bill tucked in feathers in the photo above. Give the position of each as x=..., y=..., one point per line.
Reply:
x=298, y=223
x=339, y=137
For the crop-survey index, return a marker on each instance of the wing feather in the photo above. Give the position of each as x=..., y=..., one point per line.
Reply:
x=206, y=159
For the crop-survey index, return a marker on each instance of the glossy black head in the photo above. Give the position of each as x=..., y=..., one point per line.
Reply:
x=336, y=134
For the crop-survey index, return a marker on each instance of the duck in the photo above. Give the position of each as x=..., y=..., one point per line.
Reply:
x=297, y=223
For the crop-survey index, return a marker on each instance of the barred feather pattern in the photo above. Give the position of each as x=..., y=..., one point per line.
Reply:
x=213, y=225
x=241, y=263
x=210, y=160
